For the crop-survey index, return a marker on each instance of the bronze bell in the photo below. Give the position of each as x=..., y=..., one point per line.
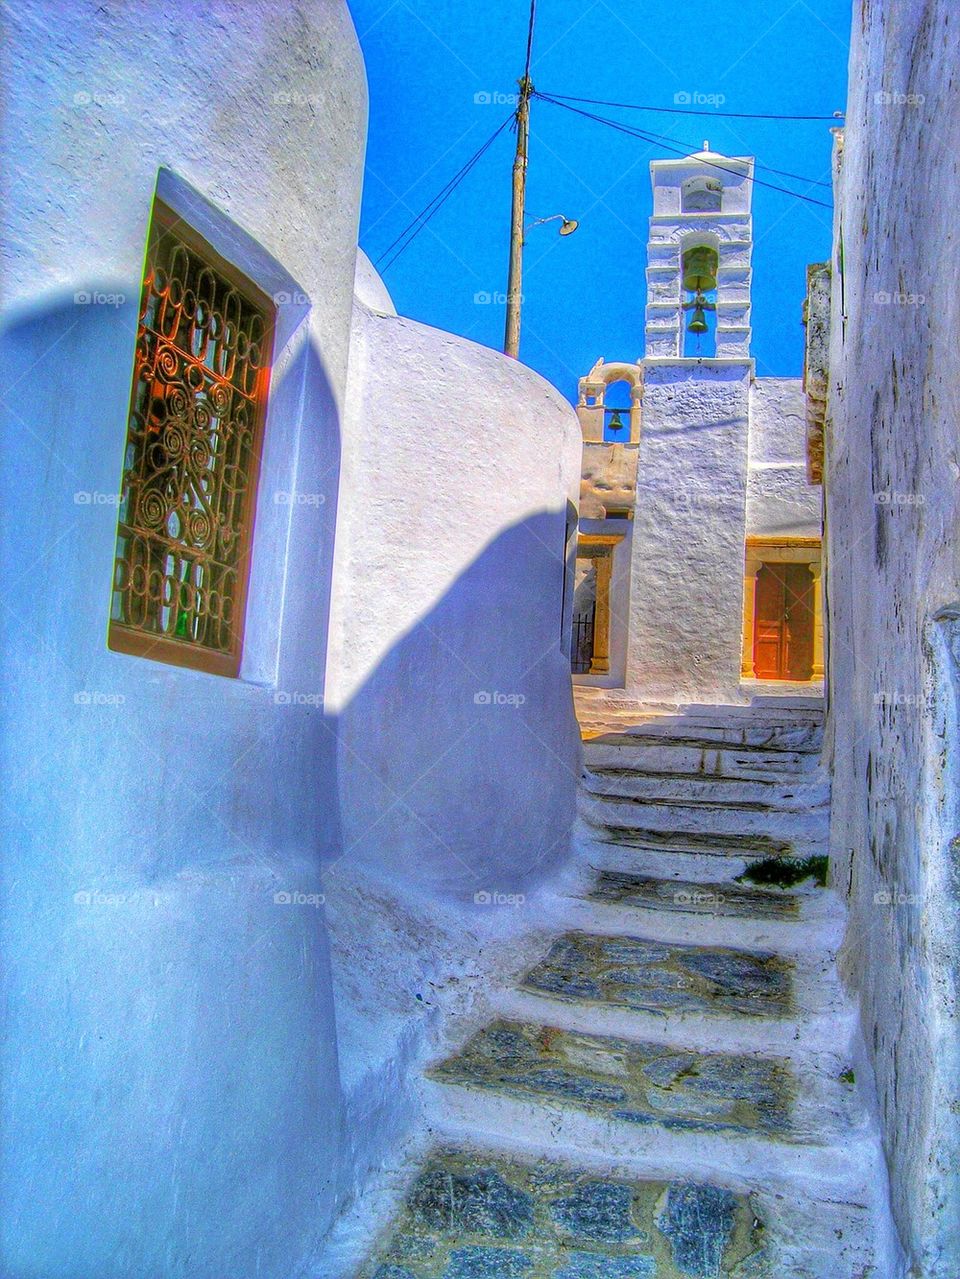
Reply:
x=698, y=322
x=616, y=423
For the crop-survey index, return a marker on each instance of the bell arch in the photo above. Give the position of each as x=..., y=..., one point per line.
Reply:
x=597, y=407
x=699, y=271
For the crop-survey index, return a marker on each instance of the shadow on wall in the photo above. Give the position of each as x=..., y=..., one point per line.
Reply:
x=172, y=1088
x=459, y=754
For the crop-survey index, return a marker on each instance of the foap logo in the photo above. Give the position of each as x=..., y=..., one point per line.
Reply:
x=493, y=98
x=883, y=297
x=93, y=897
x=293, y=98
x=697, y=499
x=694, y=98
x=483, y=698
x=885, y=98
x=87, y=497
x=285, y=498
x=895, y=698
x=483, y=298
x=696, y=897
x=890, y=497
x=85, y=98
x=96, y=297
x=895, y=897
x=287, y=297
x=90, y=697
x=485, y=898
x=294, y=697
x=294, y=897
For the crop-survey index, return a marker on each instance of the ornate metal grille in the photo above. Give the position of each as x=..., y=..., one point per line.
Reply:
x=192, y=455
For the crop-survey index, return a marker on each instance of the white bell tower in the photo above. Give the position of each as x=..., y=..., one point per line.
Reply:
x=687, y=557
x=701, y=202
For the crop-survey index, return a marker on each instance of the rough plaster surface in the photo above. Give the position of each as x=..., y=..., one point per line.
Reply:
x=458, y=744
x=894, y=585
x=609, y=479
x=686, y=595
x=449, y=677
x=171, y=1069
x=780, y=502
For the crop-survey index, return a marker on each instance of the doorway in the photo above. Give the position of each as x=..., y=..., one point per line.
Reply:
x=783, y=624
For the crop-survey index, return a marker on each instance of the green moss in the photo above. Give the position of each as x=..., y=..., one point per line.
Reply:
x=785, y=872
x=848, y=1077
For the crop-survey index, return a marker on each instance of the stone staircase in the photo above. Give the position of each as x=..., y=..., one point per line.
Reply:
x=675, y=1086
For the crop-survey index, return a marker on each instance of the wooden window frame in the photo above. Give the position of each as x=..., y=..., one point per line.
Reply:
x=123, y=638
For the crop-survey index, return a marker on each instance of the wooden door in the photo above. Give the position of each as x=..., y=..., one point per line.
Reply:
x=783, y=626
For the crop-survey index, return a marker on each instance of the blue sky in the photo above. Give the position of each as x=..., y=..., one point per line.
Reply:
x=440, y=72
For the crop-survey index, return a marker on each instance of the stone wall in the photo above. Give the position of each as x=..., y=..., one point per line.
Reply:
x=893, y=505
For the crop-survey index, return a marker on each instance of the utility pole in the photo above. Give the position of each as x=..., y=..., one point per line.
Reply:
x=511, y=336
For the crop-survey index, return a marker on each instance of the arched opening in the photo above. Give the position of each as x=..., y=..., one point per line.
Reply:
x=700, y=263
x=701, y=194
x=617, y=403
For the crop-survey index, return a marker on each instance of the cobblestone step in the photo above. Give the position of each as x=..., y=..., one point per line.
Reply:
x=478, y=1213
x=649, y=976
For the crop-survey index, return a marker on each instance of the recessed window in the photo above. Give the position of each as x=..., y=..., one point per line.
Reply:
x=192, y=455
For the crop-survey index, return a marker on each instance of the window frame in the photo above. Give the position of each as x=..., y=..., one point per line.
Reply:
x=122, y=638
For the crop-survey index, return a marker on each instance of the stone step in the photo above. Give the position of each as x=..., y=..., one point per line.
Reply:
x=808, y=831
x=769, y=793
x=695, y=897
x=798, y=737
x=664, y=977
x=654, y=1085
x=675, y=759
x=747, y=848
x=705, y=912
x=488, y=1212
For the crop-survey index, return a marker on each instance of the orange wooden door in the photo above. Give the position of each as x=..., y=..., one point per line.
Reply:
x=783, y=624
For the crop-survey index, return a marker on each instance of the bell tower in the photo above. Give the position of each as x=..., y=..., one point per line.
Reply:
x=687, y=556
x=698, y=256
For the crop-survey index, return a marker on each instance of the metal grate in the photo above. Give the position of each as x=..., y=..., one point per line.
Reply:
x=581, y=649
x=192, y=455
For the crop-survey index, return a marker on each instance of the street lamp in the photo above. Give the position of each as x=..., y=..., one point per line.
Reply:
x=567, y=225
x=511, y=345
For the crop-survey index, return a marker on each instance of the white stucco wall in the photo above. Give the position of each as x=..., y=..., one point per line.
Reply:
x=892, y=473
x=459, y=466
x=458, y=752
x=170, y=1083
x=780, y=502
x=686, y=592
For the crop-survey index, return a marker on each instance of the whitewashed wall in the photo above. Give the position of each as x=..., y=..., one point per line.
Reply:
x=449, y=678
x=893, y=465
x=686, y=591
x=447, y=668
x=170, y=1084
x=780, y=502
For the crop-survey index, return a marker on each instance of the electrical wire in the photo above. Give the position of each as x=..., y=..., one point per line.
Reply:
x=782, y=173
x=653, y=138
x=533, y=17
x=413, y=229
x=730, y=115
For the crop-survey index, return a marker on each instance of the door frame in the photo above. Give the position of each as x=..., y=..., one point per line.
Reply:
x=782, y=550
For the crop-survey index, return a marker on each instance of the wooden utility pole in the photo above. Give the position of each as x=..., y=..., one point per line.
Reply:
x=511, y=336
